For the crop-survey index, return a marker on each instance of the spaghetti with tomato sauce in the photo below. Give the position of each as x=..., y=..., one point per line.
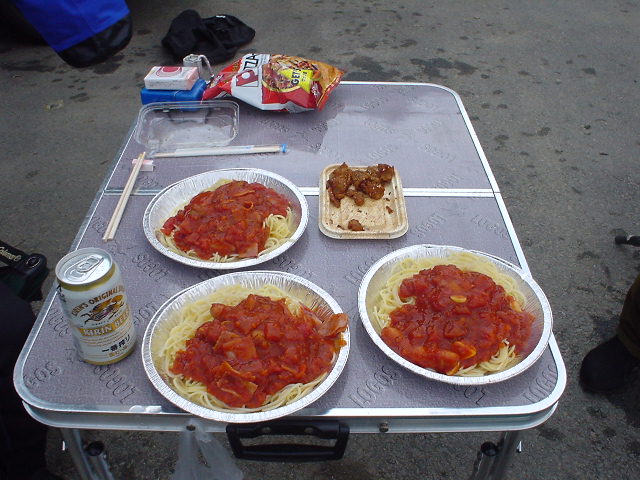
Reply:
x=455, y=321
x=252, y=351
x=228, y=221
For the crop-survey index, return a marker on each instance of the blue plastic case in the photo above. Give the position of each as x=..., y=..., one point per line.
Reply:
x=195, y=94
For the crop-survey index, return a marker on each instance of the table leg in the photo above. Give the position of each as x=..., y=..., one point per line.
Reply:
x=98, y=460
x=507, y=446
x=90, y=462
x=493, y=460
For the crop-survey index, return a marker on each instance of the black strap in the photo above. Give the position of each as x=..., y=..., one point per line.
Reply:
x=23, y=273
x=10, y=255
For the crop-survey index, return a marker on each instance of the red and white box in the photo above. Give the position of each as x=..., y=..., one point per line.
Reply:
x=171, y=78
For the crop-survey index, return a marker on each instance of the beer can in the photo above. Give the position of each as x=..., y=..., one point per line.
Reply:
x=95, y=303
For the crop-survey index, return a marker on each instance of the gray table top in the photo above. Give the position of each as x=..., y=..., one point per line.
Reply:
x=451, y=197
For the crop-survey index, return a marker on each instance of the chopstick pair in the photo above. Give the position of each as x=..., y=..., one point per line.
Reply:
x=110, y=232
x=223, y=150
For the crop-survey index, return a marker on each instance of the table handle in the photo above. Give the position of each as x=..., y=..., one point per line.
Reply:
x=291, y=452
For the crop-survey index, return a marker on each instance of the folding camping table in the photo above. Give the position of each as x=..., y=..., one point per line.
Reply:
x=452, y=199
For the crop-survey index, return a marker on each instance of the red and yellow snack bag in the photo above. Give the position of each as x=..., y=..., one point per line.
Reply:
x=276, y=82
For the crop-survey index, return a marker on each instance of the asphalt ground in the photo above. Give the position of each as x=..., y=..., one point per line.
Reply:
x=552, y=91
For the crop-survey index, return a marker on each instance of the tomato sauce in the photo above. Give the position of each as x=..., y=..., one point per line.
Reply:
x=228, y=220
x=458, y=319
x=257, y=348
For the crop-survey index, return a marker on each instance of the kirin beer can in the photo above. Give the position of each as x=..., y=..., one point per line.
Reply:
x=95, y=303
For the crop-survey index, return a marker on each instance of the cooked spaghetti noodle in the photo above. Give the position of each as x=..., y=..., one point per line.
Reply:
x=443, y=344
x=195, y=319
x=230, y=221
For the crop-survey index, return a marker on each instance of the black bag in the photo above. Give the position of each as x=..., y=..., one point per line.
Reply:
x=22, y=273
x=217, y=37
x=22, y=439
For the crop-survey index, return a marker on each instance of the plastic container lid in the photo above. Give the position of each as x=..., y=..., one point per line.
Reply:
x=170, y=126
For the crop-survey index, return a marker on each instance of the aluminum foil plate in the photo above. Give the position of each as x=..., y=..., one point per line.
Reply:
x=166, y=317
x=165, y=204
x=536, y=303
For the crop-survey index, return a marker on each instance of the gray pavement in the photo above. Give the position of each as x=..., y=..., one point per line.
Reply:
x=552, y=91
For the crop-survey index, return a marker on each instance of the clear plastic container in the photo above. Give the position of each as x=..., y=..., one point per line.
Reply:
x=166, y=127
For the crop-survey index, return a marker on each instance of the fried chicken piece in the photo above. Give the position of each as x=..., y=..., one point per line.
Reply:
x=385, y=172
x=373, y=187
x=332, y=198
x=338, y=183
x=358, y=184
x=355, y=226
x=357, y=195
x=358, y=176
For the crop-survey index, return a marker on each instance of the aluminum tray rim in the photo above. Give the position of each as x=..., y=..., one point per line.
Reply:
x=152, y=215
x=300, y=288
x=418, y=251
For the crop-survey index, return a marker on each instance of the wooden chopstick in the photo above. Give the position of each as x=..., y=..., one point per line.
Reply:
x=223, y=150
x=110, y=232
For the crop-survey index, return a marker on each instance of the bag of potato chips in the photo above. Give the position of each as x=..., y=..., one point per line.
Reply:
x=276, y=82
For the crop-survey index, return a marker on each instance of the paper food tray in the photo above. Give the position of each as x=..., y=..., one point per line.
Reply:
x=382, y=219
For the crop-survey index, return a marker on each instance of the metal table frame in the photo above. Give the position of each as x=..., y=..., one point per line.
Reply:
x=492, y=462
